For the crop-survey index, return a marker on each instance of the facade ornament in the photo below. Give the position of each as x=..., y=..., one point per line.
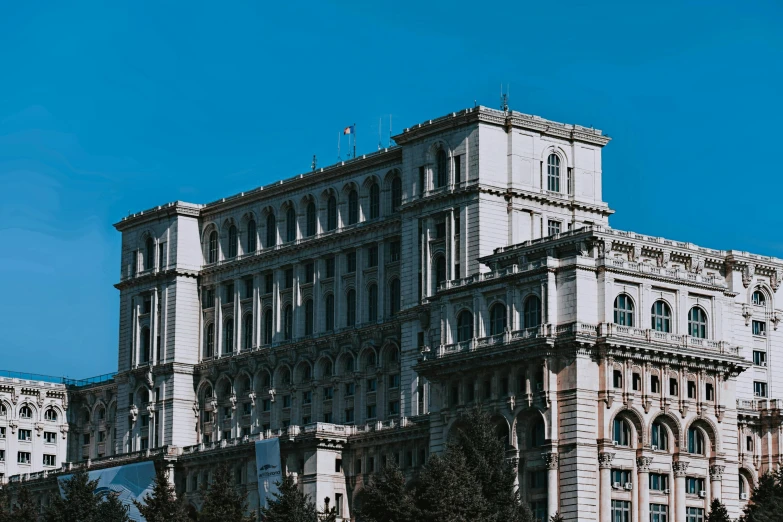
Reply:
x=551, y=459
x=680, y=468
x=13, y=425
x=775, y=319
x=272, y=394
x=40, y=400
x=665, y=258
x=252, y=397
x=775, y=278
x=14, y=396
x=643, y=463
x=747, y=274
x=747, y=313
x=39, y=427
x=233, y=401
x=605, y=460
x=195, y=409
x=512, y=402
x=134, y=412
x=636, y=253
x=64, y=430
x=716, y=472
x=149, y=379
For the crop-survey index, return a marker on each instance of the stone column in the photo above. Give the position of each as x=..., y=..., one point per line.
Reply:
x=643, y=486
x=553, y=495
x=605, y=470
x=680, y=469
x=716, y=479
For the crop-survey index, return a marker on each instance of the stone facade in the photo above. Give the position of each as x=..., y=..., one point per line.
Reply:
x=357, y=310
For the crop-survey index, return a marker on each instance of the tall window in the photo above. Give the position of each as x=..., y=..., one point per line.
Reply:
x=758, y=298
x=696, y=441
x=375, y=201
x=694, y=514
x=350, y=304
x=497, y=319
x=232, y=241
x=697, y=322
x=661, y=317
x=621, y=511
x=464, y=326
x=290, y=224
x=288, y=322
x=268, y=326
x=621, y=432
x=310, y=229
x=532, y=312
x=394, y=296
x=353, y=207
x=212, y=249
x=553, y=173
x=623, y=310
x=659, y=513
x=251, y=236
x=209, y=341
x=149, y=254
x=659, y=436
x=247, y=332
x=228, y=335
x=442, y=175
x=309, y=317
x=271, y=231
x=396, y=194
x=331, y=213
x=145, y=345
x=329, y=312
x=440, y=270
x=372, y=303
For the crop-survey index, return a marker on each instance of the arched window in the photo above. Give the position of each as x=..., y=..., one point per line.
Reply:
x=331, y=213
x=3, y=410
x=268, y=326
x=532, y=312
x=290, y=224
x=350, y=305
x=661, y=317
x=759, y=299
x=271, y=231
x=329, y=313
x=553, y=173
x=232, y=241
x=394, y=296
x=696, y=441
x=50, y=415
x=353, y=207
x=309, y=317
x=396, y=194
x=537, y=434
x=228, y=335
x=209, y=341
x=497, y=319
x=144, y=356
x=622, y=432
x=25, y=412
x=659, y=436
x=442, y=175
x=311, y=213
x=697, y=323
x=247, y=332
x=372, y=303
x=149, y=254
x=212, y=249
x=440, y=270
x=375, y=201
x=742, y=488
x=251, y=236
x=464, y=326
x=288, y=322
x=623, y=310
x=348, y=364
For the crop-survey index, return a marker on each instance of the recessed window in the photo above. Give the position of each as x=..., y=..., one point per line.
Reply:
x=497, y=319
x=269, y=283
x=353, y=207
x=694, y=514
x=251, y=237
x=709, y=392
x=311, y=220
x=457, y=169
x=464, y=326
x=289, y=278
x=50, y=415
x=233, y=241
x=759, y=328
x=442, y=174
x=309, y=317
x=697, y=322
x=271, y=231
x=622, y=432
x=759, y=389
x=25, y=435
x=394, y=296
x=49, y=437
x=23, y=457
x=655, y=384
x=659, y=482
x=759, y=358
x=268, y=326
x=694, y=485
x=372, y=411
x=25, y=412
x=290, y=224
x=673, y=387
x=617, y=379
x=209, y=341
x=758, y=298
x=372, y=303
x=553, y=173
x=229, y=292
x=696, y=441
x=331, y=213
x=228, y=335
x=691, y=389
x=288, y=322
x=661, y=317
x=553, y=227
x=623, y=310
x=372, y=256
x=396, y=194
x=532, y=312
x=350, y=308
x=375, y=201
x=247, y=332
x=49, y=460
x=350, y=259
x=637, y=382
x=659, y=436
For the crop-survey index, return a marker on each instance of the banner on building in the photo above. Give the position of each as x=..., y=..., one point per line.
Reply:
x=127, y=483
x=268, y=469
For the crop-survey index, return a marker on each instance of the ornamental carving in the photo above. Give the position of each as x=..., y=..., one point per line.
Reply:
x=775, y=319
x=680, y=468
x=643, y=463
x=605, y=460
x=774, y=279
x=747, y=274
x=716, y=472
x=665, y=258
x=551, y=459
x=747, y=313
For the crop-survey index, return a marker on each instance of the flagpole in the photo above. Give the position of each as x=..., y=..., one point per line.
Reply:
x=339, y=136
x=354, y=141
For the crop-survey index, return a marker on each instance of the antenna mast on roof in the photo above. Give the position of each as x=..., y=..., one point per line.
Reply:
x=314, y=164
x=390, y=131
x=380, y=127
x=504, y=98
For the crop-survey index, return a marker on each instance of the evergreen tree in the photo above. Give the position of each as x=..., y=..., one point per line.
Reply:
x=162, y=505
x=79, y=503
x=5, y=505
x=25, y=509
x=289, y=505
x=448, y=491
x=766, y=501
x=718, y=512
x=387, y=499
x=557, y=517
x=222, y=502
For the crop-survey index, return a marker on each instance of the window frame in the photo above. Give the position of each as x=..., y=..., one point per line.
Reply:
x=624, y=310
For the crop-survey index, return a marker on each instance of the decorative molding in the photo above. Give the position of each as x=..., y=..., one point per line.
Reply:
x=643, y=464
x=551, y=459
x=680, y=468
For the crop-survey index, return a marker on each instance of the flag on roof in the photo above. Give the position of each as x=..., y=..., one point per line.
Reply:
x=349, y=130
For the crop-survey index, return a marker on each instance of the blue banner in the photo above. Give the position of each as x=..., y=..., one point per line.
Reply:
x=129, y=482
x=268, y=469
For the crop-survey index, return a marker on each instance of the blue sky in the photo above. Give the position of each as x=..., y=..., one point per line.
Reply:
x=109, y=108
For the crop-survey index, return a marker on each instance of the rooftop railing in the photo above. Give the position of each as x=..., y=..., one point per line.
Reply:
x=36, y=377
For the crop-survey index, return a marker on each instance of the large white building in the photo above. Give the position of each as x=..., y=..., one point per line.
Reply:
x=357, y=310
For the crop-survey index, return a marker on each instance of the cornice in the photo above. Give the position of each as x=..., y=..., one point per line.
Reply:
x=175, y=208
x=153, y=277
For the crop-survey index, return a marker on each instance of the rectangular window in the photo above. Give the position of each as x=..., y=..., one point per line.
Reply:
x=328, y=417
x=209, y=297
x=2, y=455
x=101, y=436
x=621, y=511
x=709, y=392
x=693, y=485
x=655, y=384
x=25, y=434
x=309, y=272
x=457, y=169
x=350, y=258
x=230, y=292
x=248, y=288
x=145, y=443
x=759, y=358
x=694, y=514
x=371, y=411
x=161, y=255
x=760, y=389
x=372, y=385
x=289, y=277
x=673, y=386
x=328, y=393
x=659, y=513
x=422, y=180
x=338, y=504
x=553, y=227
x=49, y=437
x=394, y=407
x=349, y=389
x=348, y=415
x=246, y=408
x=266, y=405
x=539, y=509
x=440, y=230
x=759, y=328
x=538, y=479
x=394, y=251
x=269, y=283
x=50, y=460
x=621, y=477
x=146, y=307
x=372, y=256
x=329, y=267
x=307, y=397
x=617, y=379
x=394, y=380
x=637, y=382
x=659, y=482
x=691, y=389
x=286, y=401
x=23, y=457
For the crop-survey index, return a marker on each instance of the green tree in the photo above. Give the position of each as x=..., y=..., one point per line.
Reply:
x=162, y=505
x=289, y=505
x=718, y=512
x=79, y=503
x=766, y=501
x=5, y=505
x=386, y=498
x=25, y=508
x=222, y=501
x=557, y=517
x=448, y=491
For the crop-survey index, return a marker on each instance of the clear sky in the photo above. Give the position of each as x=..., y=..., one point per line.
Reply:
x=106, y=109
